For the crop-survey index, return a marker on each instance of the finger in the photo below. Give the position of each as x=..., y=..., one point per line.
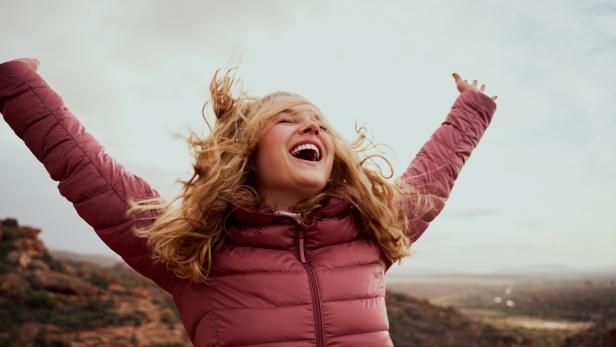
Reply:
x=475, y=83
x=483, y=87
x=493, y=97
x=456, y=77
x=33, y=63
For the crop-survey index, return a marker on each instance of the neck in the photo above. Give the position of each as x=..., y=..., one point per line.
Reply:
x=281, y=200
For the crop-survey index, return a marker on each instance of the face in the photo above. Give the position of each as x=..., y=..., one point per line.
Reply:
x=294, y=155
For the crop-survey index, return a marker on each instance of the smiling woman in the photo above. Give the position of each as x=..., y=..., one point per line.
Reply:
x=282, y=220
x=294, y=157
x=254, y=159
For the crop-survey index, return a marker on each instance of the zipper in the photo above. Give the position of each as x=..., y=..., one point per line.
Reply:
x=314, y=287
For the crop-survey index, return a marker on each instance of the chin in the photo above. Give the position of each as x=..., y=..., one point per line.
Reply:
x=312, y=187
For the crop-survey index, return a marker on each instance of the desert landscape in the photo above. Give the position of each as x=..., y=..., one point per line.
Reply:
x=548, y=306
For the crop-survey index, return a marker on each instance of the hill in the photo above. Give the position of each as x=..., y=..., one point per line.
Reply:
x=551, y=311
x=48, y=302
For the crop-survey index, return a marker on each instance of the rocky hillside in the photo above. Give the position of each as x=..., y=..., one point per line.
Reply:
x=46, y=302
x=415, y=322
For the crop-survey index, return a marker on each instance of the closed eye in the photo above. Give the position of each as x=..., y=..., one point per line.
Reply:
x=290, y=120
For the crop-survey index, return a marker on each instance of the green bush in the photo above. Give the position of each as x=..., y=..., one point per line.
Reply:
x=5, y=248
x=40, y=340
x=98, y=280
x=40, y=307
x=169, y=322
x=90, y=314
x=135, y=318
x=38, y=299
x=168, y=302
x=6, y=267
x=10, y=234
x=53, y=264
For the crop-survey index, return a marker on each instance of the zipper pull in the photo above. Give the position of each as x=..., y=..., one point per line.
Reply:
x=301, y=246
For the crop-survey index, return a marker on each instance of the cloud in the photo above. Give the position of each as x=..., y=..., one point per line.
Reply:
x=135, y=72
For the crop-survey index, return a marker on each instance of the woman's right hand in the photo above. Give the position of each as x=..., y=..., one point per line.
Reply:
x=33, y=63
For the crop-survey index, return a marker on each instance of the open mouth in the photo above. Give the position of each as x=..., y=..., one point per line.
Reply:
x=306, y=151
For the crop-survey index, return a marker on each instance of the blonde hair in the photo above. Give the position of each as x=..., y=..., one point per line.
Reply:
x=185, y=237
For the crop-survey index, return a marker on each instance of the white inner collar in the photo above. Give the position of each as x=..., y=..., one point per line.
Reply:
x=293, y=215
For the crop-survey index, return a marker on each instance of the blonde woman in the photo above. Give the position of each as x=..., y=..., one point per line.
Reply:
x=284, y=232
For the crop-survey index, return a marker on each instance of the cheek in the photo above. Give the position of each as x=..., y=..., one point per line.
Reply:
x=269, y=163
x=331, y=149
x=270, y=150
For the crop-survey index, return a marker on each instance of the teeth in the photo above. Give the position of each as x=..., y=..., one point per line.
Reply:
x=307, y=146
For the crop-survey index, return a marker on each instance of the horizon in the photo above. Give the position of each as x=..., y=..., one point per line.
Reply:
x=609, y=269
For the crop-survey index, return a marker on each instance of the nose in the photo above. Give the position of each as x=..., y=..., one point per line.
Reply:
x=311, y=126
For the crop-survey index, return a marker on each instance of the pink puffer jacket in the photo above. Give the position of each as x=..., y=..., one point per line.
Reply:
x=274, y=283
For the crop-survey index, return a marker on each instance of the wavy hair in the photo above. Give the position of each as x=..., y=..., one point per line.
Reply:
x=185, y=237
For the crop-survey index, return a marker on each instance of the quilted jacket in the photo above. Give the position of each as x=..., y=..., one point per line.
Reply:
x=274, y=283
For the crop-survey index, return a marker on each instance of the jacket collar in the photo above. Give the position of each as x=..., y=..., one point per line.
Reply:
x=334, y=206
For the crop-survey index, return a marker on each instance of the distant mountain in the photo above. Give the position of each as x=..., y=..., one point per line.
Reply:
x=549, y=270
x=543, y=270
x=98, y=259
x=555, y=270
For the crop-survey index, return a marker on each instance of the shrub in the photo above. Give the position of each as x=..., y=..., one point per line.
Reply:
x=10, y=234
x=98, y=280
x=53, y=264
x=135, y=318
x=39, y=299
x=169, y=322
x=40, y=340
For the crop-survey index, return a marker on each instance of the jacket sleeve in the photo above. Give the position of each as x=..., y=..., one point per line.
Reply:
x=88, y=177
x=438, y=163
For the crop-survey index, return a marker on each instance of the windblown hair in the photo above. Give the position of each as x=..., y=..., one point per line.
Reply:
x=185, y=237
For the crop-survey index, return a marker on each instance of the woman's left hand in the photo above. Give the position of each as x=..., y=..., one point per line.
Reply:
x=463, y=85
x=33, y=63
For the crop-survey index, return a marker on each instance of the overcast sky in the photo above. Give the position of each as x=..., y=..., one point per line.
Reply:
x=539, y=189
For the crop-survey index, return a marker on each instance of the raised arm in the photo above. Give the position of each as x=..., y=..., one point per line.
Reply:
x=97, y=185
x=438, y=163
